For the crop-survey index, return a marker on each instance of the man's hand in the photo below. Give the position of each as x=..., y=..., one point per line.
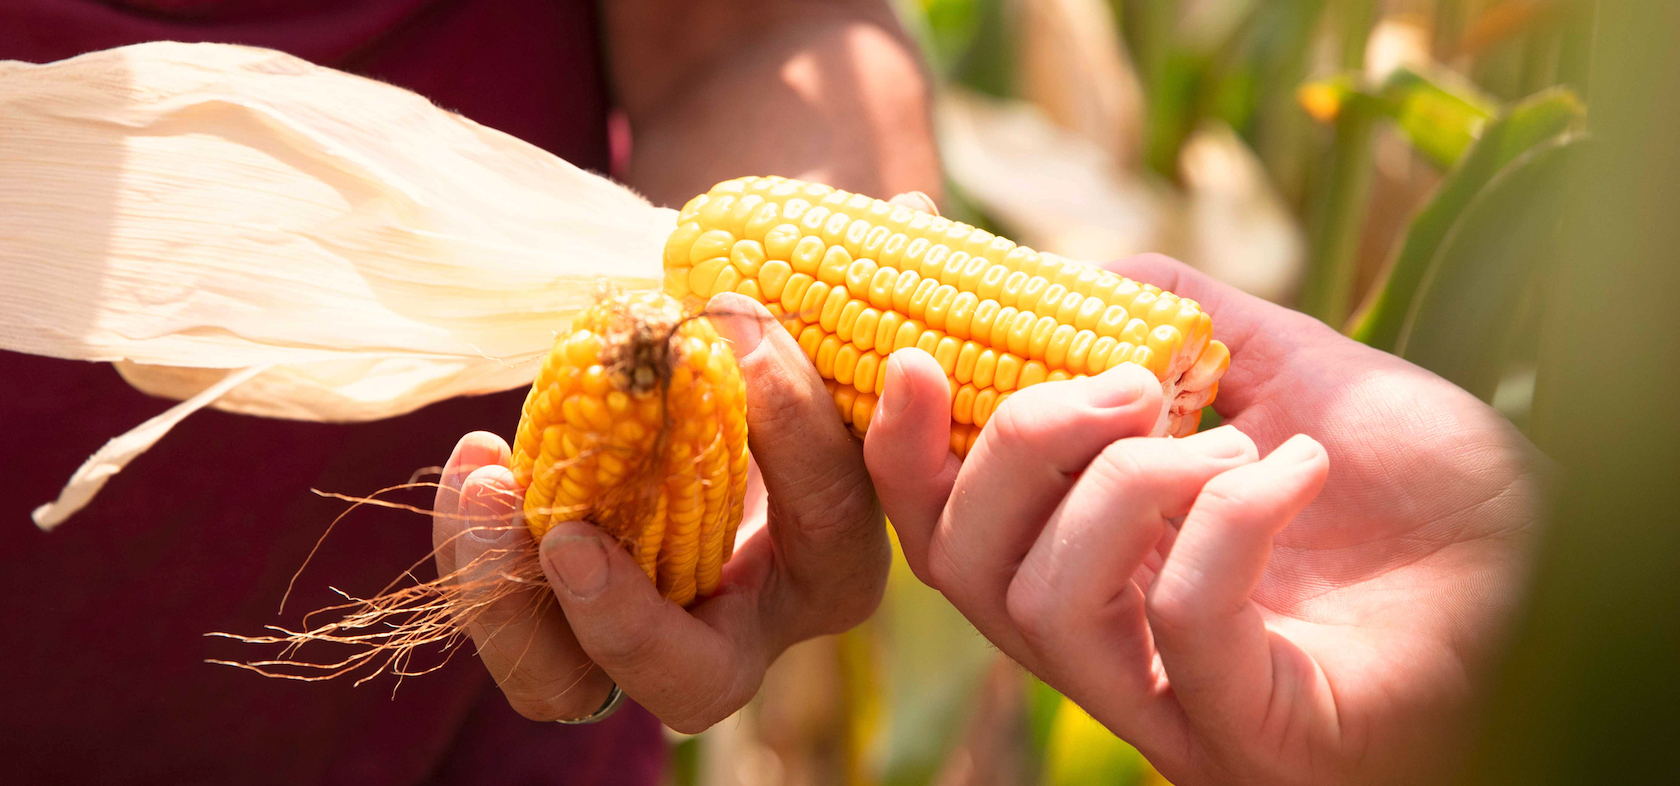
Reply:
x=815, y=561
x=1213, y=608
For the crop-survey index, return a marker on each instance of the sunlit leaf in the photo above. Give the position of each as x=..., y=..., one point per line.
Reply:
x=1538, y=118
x=1440, y=120
x=1441, y=123
x=1465, y=313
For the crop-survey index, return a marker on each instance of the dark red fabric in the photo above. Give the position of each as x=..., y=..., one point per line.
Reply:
x=102, y=648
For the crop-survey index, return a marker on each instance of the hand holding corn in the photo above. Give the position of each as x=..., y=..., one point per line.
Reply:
x=635, y=423
x=813, y=563
x=1217, y=609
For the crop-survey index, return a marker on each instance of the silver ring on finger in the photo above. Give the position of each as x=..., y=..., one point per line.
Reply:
x=615, y=699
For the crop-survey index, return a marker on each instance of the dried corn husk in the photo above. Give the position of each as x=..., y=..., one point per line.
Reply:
x=241, y=229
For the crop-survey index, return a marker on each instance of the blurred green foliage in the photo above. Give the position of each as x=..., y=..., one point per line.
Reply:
x=1079, y=751
x=1589, y=692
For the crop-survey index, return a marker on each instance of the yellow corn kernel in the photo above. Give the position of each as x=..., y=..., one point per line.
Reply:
x=589, y=442
x=868, y=278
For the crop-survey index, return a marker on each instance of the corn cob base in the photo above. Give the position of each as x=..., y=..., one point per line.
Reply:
x=855, y=278
x=637, y=423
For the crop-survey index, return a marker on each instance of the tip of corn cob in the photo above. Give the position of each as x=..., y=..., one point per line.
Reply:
x=855, y=278
x=637, y=423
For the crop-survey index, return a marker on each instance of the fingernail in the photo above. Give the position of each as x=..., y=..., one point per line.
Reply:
x=580, y=562
x=917, y=200
x=1122, y=386
x=1299, y=449
x=896, y=396
x=1225, y=442
x=488, y=515
x=739, y=323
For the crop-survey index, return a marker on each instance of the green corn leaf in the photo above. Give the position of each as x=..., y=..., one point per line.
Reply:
x=1465, y=315
x=1441, y=117
x=1440, y=123
x=1540, y=117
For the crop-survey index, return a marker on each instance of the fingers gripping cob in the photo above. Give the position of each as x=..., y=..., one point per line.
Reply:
x=637, y=419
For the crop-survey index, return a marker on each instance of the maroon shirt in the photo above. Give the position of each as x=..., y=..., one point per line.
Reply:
x=102, y=648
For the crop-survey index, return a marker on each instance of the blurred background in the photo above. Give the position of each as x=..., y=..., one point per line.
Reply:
x=1393, y=167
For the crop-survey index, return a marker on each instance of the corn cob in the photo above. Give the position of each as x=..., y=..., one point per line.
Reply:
x=637, y=422
x=855, y=278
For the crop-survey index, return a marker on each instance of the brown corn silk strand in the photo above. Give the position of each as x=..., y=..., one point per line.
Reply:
x=384, y=633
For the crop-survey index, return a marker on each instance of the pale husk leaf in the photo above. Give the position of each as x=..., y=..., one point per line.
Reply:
x=187, y=209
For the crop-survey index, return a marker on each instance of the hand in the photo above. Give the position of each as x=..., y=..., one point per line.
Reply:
x=816, y=564
x=1213, y=608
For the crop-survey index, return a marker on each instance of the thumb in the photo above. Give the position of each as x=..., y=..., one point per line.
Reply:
x=824, y=513
x=671, y=662
x=909, y=449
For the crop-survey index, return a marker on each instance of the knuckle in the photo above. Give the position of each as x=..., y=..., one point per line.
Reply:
x=558, y=698
x=943, y=572
x=1237, y=502
x=782, y=386
x=856, y=597
x=778, y=404
x=836, y=501
x=632, y=646
x=1031, y=606
x=699, y=720
x=1170, y=607
x=919, y=564
x=1018, y=427
x=703, y=710
x=1173, y=605
x=843, y=595
x=1123, y=463
x=1224, y=494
